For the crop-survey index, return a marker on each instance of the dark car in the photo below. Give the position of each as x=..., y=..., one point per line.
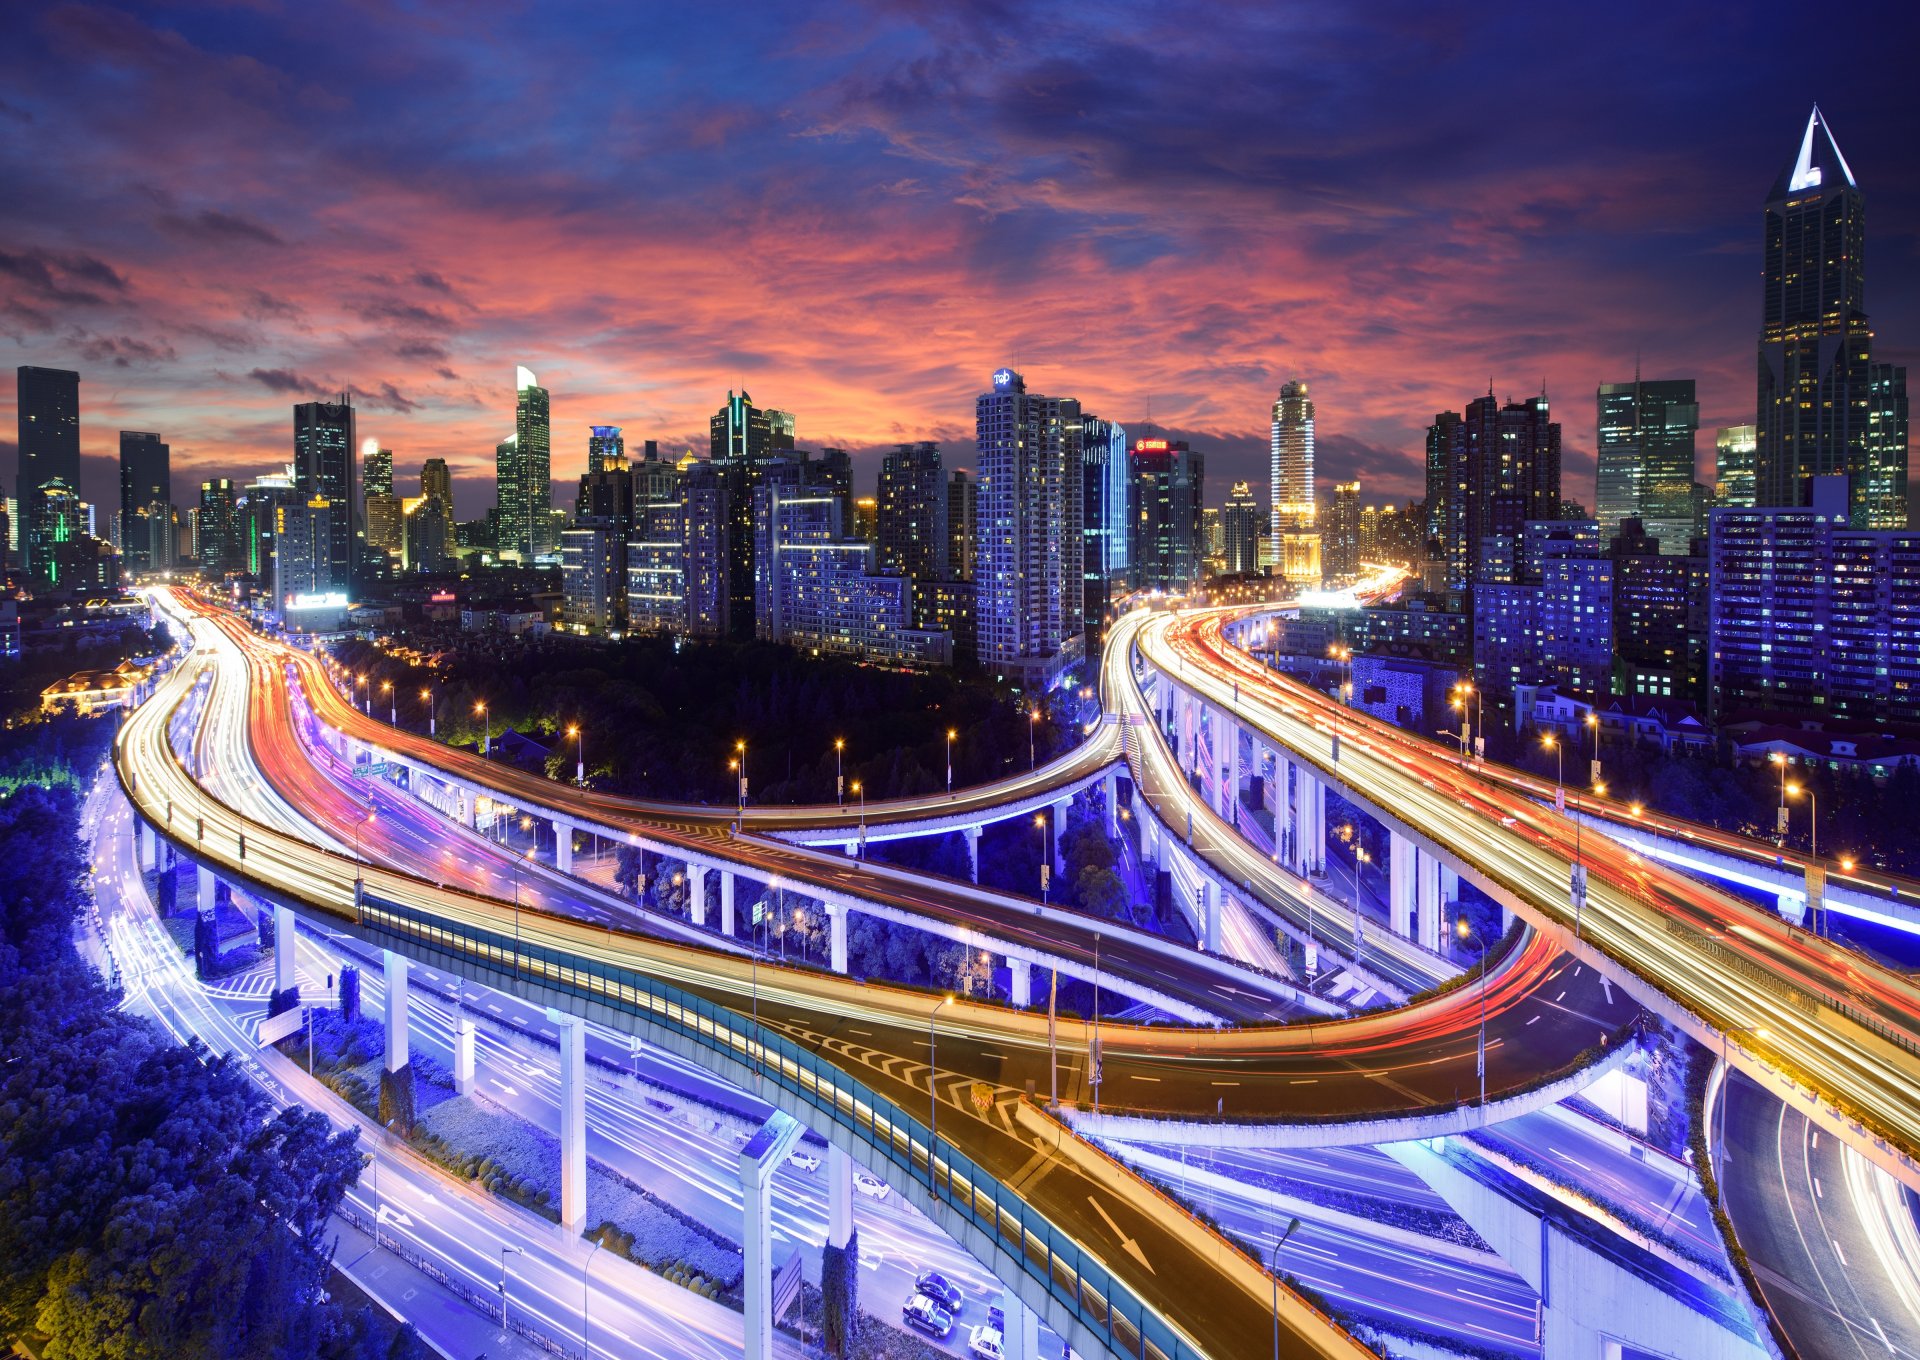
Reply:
x=940, y=1289
x=924, y=1315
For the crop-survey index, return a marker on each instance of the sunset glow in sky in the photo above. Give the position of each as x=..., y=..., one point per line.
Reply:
x=858, y=211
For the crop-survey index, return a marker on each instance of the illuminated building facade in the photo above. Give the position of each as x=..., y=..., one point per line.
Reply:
x=1240, y=520
x=323, y=458
x=1291, y=453
x=1644, y=450
x=1169, y=480
x=146, y=479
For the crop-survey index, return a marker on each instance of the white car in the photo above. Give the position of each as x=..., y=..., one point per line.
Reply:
x=871, y=1188
x=984, y=1341
x=803, y=1160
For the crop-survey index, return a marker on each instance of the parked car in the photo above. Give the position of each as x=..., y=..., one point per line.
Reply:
x=924, y=1315
x=940, y=1289
x=803, y=1160
x=871, y=1188
x=984, y=1342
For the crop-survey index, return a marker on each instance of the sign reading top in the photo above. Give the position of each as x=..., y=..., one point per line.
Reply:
x=1006, y=380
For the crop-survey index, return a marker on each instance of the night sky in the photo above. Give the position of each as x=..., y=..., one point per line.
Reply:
x=858, y=211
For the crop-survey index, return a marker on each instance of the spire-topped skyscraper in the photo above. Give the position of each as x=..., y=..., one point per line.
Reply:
x=1824, y=405
x=1292, y=460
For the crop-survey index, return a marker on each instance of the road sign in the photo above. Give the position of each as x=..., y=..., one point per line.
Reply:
x=373, y=769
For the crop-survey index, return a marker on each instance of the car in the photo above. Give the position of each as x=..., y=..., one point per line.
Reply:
x=996, y=1317
x=871, y=1188
x=940, y=1289
x=924, y=1315
x=803, y=1160
x=984, y=1342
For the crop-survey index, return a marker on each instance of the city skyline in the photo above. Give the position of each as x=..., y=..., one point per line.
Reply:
x=1193, y=291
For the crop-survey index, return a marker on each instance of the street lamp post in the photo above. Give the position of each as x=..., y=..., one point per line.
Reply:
x=586, y=1293
x=1726, y=1081
x=933, y=1084
x=839, y=776
x=393, y=704
x=1813, y=867
x=1046, y=856
x=1276, y=1284
x=516, y=910
x=1780, y=818
x=359, y=879
x=579, y=754
x=1464, y=928
x=365, y=701
x=1033, y=724
x=740, y=764
x=1593, y=767
x=950, y=737
x=486, y=729
x=433, y=726
x=861, y=790
x=504, y=1253
x=1360, y=857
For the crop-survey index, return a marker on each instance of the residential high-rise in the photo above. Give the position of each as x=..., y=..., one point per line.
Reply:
x=146, y=479
x=303, y=551
x=49, y=423
x=1644, y=455
x=1031, y=583
x=911, y=518
x=1500, y=470
x=1810, y=617
x=1660, y=618
x=606, y=451
x=1240, y=526
x=963, y=509
x=707, y=563
x=1169, y=481
x=323, y=454
x=382, y=520
x=1552, y=623
x=1816, y=371
x=1292, y=455
x=657, y=549
x=1733, y=450
x=219, y=547
x=1340, y=533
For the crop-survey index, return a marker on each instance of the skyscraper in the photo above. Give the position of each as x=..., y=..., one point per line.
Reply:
x=524, y=470
x=606, y=451
x=219, y=546
x=1733, y=450
x=911, y=518
x=1240, y=524
x=963, y=505
x=1644, y=454
x=1816, y=371
x=1030, y=522
x=146, y=479
x=1340, y=533
x=382, y=521
x=323, y=453
x=1169, y=480
x=1292, y=450
x=49, y=422
x=746, y=442
x=1500, y=469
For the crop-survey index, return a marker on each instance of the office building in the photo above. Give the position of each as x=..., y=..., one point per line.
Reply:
x=146, y=479
x=963, y=511
x=606, y=450
x=593, y=578
x=303, y=552
x=1493, y=469
x=1811, y=617
x=1106, y=519
x=323, y=457
x=257, y=516
x=1032, y=587
x=48, y=411
x=523, y=470
x=1733, y=453
x=1817, y=389
x=1644, y=449
x=747, y=446
x=912, y=513
x=1240, y=521
x=1660, y=618
x=1341, y=531
x=428, y=536
x=866, y=519
x=606, y=498
x=1552, y=624
x=55, y=521
x=1169, y=480
x=657, y=552
x=707, y=563
x=1292, y=460
x=382, y=518
x=218, y=549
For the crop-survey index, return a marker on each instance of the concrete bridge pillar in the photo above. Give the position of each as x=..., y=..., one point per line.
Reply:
x=762, y=1155
x=839, y=1197
x=1310, y=821
x=1189, y=725
x=562, y=846
x=726, y=902
x=463, y=1055
x=1110, y=797
x=284, y=944
x=1402, y=868
x=972, y=833
x=573, y=1118
x=1427, y=900
x=204, y=880
x=697, y=894
x=396, y=970
x=837, y=936
x=1021, y=1338
x=1059, y=834
x=1209, y=916
x=1020, y=983
x=1230, y=797
x=148, y=845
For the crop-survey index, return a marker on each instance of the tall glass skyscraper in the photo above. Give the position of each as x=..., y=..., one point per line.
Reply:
x=323, y=453
x=146, y=480
x=533, y=440
x=49, y=416
x=1240, y=528
x=1817, y=391
x=1292, y=452
x=1644, y=450
x=1169, y=482
x=1733, y=450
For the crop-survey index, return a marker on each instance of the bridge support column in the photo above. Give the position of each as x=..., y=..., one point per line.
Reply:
x=1110, y=796
x=562, y=847
x=1210, y=916
x=1021, y=1338
x=839, y=1197
x=204, y=880
x=1402, y=868
x=573, y=1118
x=463, y=1056
x=1427, y=900
x=764, y=1152
x=697, y=894
x=1230, y=796
x=1059, y=834
x=1311, y=822
x=284, y=937
x=396, y=970
x=147, y=844
x=726, y=902
x=972, y=833
x=837, y=936
x=1020, y=983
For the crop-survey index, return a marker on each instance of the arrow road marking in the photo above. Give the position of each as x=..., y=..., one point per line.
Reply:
x=1132, y=1247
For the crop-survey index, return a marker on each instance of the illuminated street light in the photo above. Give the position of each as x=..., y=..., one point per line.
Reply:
x=933, y=1084
x=1464, y=929
x=393, y=700
x=839, y=778
x=861, y=790
x=426, y=698
x=579, y=755
x=1046, y=857
x=740, y=767
x=486, y=729
x=950, y=736
x=1033, y=724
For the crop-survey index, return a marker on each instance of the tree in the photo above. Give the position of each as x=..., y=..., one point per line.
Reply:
x=1100, y=891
